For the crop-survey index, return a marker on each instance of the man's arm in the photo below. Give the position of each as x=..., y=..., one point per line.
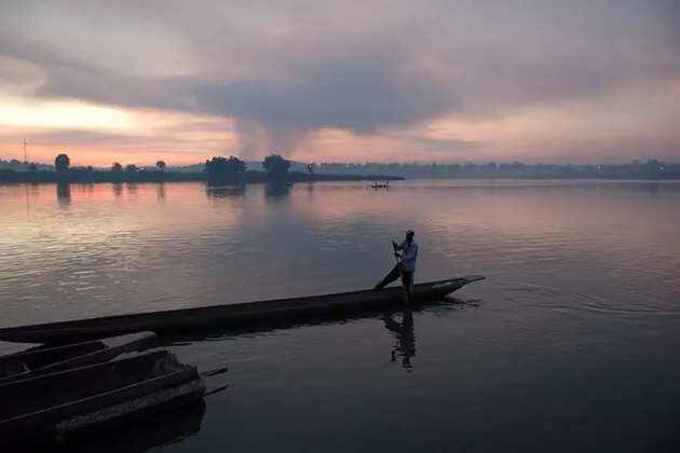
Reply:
x=397, y=246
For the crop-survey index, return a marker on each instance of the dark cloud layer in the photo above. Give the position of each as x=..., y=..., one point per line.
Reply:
x=284, y=71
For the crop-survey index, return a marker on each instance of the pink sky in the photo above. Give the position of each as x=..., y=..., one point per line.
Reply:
x=374, y=81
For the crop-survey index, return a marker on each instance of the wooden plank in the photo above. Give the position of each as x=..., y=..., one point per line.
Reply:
x=36, y=406
x=44, y=360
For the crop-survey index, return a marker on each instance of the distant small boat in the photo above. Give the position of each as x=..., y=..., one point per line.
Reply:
x=231, y=315
x=58, y=404
x=42, y=360
x=380, y=185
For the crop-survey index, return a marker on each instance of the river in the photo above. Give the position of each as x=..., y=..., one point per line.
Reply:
x=571, y=342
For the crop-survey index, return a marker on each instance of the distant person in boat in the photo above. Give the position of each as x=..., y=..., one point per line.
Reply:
x=406, y=254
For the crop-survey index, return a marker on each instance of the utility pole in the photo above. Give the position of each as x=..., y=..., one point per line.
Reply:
x=25, y=151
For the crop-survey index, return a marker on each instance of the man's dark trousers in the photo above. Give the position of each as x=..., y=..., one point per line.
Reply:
x=393, y=275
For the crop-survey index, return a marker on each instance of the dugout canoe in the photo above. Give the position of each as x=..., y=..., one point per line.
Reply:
x=232, y=315
x=43, y=360
x=52, y=406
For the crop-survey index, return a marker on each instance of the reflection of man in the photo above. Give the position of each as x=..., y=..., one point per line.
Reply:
x=406, y=338
x=407, y=254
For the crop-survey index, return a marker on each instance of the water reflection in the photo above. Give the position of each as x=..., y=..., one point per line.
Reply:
x=225, y=191
x=64, y=194
x=277, y=190
x=164, y=428
x=117, y=188
x=405, y=337
x=654, y=188
x=31, y=192
x=160, y=192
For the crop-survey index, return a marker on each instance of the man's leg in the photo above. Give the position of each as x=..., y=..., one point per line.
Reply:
x=407, y=283
x=393, y=275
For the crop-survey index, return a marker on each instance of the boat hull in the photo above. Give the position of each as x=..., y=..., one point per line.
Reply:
x=237, y=315
x=44, y=360
x=40, y=408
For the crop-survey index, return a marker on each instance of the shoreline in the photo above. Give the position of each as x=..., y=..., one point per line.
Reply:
x=250, y=177
x=330, y=178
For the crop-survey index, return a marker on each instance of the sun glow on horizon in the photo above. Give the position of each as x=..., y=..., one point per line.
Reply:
x=66, y=114
x=96, y=134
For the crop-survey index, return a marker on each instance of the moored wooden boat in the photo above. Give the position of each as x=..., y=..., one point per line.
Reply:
x=236, y=315
x=43, y=360
x=53, y=405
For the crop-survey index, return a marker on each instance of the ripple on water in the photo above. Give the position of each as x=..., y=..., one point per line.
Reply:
x=569, y=301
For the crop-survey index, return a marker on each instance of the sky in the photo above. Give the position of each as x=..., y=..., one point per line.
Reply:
x=448, y=81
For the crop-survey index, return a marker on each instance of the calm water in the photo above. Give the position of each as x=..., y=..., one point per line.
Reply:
x=570, y=344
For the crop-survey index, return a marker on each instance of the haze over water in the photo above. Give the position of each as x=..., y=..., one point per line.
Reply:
x=571, y=343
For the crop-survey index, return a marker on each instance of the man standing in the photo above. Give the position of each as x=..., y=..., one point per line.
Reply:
x=407, y=254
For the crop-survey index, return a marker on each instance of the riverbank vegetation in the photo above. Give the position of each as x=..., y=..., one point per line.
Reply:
x=220, y=171
x=217, y=171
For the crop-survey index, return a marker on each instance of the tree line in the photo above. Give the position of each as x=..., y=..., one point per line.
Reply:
x=232, y=170
x=650, y=169
x=217, y=171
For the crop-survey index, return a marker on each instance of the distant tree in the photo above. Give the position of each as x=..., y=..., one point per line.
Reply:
x=223, y=171
x=116, y=167
x=277, y=167
x=62, y=162
x=131, y=168
x=161, y=165
x=32, y=166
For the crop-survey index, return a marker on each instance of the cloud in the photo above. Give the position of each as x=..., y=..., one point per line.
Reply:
x=284, y=72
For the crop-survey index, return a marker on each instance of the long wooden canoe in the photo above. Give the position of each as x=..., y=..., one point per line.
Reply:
x=43, y=360
x=53, y=405
x=231, y=315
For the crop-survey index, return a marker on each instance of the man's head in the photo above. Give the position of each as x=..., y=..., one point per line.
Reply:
x=409, y=235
